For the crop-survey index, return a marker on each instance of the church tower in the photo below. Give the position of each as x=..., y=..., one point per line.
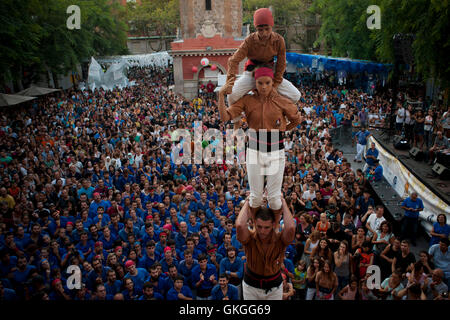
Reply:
x=209, y=29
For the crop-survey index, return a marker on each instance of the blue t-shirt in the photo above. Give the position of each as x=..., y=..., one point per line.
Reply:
x=441, y=230
x=232, y=293
x=441, y=260
x=172, y=294
x=371, y=152
x=139, y=279
x=237, y=266
x=412, y=205
x=206, y=284
x=362, y=137
x=378, y=173
x=89, y=191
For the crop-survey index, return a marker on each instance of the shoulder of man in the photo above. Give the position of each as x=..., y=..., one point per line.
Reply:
x=277, y=37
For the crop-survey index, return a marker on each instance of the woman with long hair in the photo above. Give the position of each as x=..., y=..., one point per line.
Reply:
x=304, y=229
x=440, y=229
x=381, y=239
x=323, y=250
x=311, y=273
x=342, y=262
x=326, y=282
x=311, y=243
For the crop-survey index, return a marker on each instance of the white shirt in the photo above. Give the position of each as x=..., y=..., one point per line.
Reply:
x=429, y=120
x=307, y=110
x=374, y=223
x=309, y=196
x=288, y=145
x=400, y=115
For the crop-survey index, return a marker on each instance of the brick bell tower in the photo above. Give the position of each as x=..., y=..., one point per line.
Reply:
x=209, y=29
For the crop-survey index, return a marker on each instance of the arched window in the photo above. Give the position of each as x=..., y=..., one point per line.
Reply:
x=208, y=4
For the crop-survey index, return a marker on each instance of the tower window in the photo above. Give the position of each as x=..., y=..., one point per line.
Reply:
x=208, y=4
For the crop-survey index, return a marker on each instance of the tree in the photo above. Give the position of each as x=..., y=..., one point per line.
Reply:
x=36, y=39
x=345, y=32
x=154, y=17
x=289, y=15
x=19, y=37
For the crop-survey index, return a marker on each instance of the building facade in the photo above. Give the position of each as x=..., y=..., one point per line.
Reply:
x=209, y=29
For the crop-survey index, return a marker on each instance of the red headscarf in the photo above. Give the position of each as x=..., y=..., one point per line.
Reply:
x=263, y=72
x=263, y=16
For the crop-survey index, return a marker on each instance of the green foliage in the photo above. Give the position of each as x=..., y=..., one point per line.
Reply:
x=288, y=14
x=344, y=31
x=153, y=17
x=34, y=35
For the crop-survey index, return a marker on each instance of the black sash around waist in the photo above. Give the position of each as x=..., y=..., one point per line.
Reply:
x=265, y=141
x=262, y=282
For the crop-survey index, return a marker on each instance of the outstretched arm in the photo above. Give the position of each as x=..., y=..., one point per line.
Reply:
x=288, y=233
x=233, y=65
x=242, y=232
x=224, y=115
x=232, y=112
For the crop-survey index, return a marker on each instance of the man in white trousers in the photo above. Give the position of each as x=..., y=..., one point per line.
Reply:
x=361, y=138
x=268, y=115
x=265, y=251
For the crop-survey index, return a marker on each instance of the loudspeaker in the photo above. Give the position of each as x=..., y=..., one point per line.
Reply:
x=401, y=143
x=441, y=171
x=416, y=154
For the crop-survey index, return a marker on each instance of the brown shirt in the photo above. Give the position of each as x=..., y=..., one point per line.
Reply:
x=266, y=112
x=264, y=262
x=264, y=51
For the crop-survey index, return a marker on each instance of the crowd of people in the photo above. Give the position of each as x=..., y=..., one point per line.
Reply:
x=88, y=183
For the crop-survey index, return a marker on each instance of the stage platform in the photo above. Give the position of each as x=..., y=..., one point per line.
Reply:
x=420, y=169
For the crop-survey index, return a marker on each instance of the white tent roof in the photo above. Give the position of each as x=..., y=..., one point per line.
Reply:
x=12, y=99
x=36, y=91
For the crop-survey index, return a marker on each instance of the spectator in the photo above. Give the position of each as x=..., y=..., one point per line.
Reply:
x=404, y=262
x=374, y=220
x=350, y=290
x=391, y=286
x=440, y=143
x=179, y=290
x=440, y=229
x=410, y=224
x=326, y=282
x=204, y=277
x=224, y=290
x=361, y=142
x=434, y=286
x=149, y=293
x=311, y=274
x=441, y=257
x=371, y=155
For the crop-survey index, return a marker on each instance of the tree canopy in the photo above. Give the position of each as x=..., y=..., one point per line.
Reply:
x=34, y=36
x=153, y=17
x=344, y=31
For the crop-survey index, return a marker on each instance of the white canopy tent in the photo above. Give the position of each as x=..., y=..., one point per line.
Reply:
x=13, y=99
x=36, y=91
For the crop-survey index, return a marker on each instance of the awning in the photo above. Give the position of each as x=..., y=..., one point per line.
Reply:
x=12, y=99
x=37, y=91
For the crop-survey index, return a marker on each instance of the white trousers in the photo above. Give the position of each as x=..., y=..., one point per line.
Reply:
x=247, y=82
x=270, y=164
x=310, y=292
x=359, y=151
x=252, y=293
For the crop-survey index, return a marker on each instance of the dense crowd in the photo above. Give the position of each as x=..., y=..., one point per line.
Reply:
x=88, y=183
